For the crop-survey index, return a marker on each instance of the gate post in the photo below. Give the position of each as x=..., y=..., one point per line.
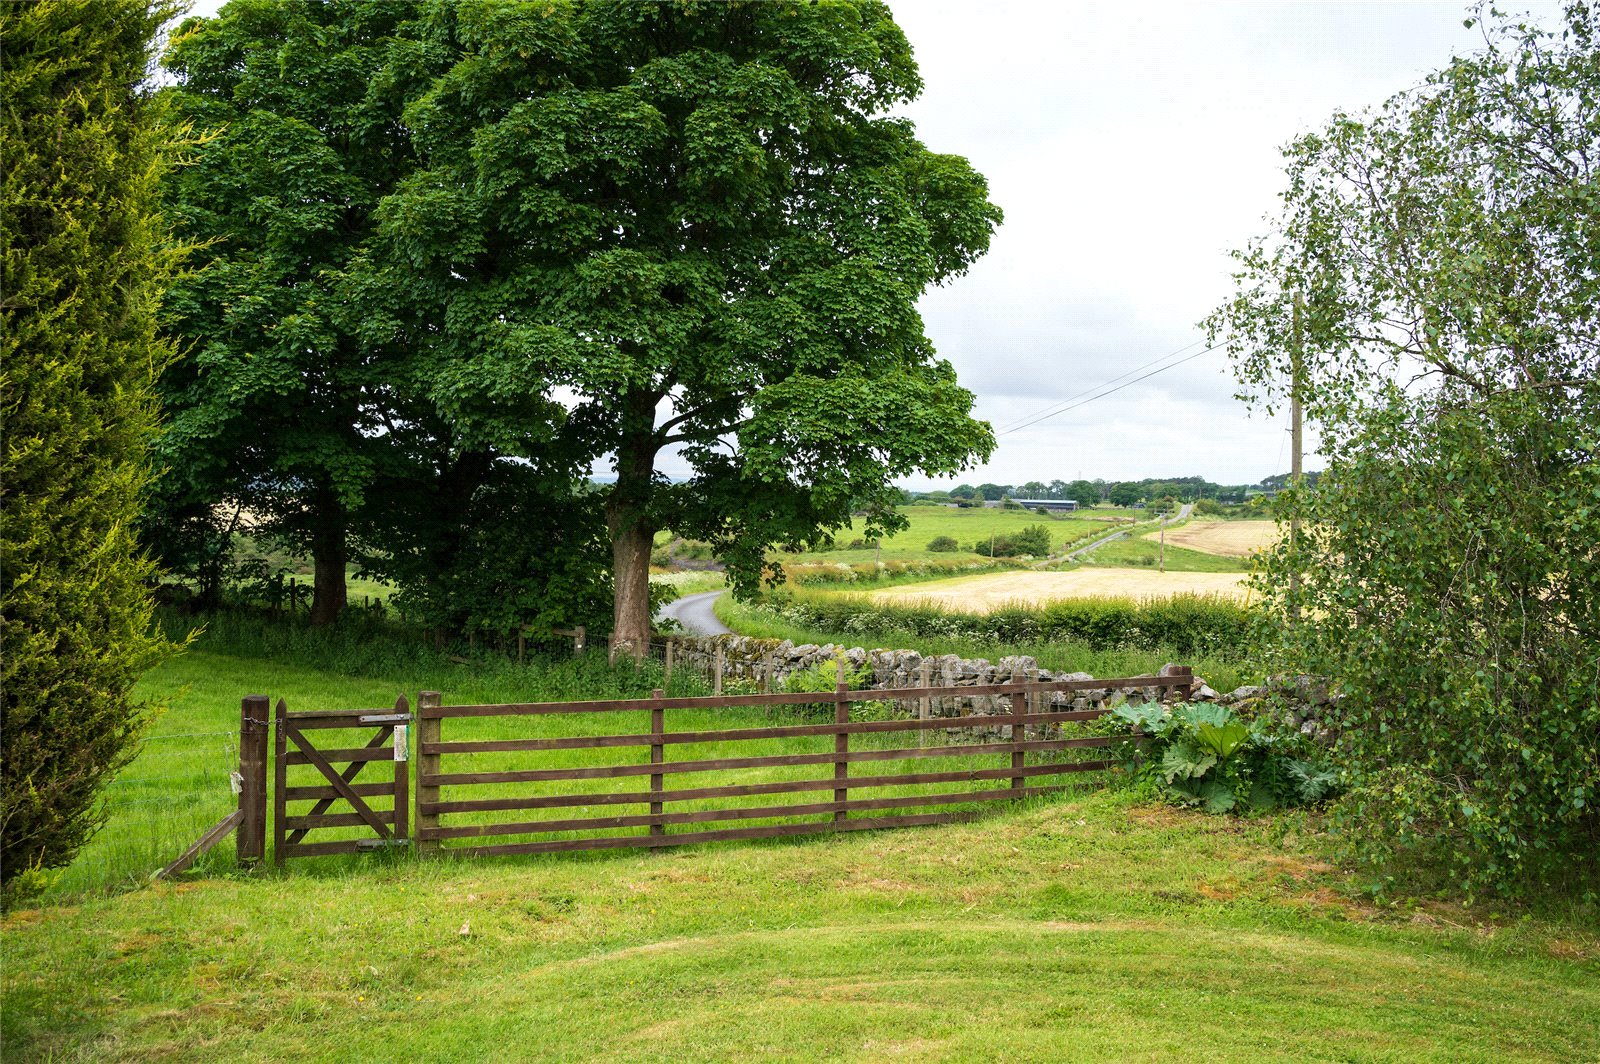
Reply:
x=658, y=718
x=251, y=841
x=428, y=730
x=841, y=745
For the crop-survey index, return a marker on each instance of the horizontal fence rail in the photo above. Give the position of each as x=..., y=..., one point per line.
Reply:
x=642, y=755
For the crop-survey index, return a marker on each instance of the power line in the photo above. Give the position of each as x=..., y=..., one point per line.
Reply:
x=1047, y=410
x=1103, y=394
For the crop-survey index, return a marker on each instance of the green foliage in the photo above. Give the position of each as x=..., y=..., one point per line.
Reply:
x=345, y=427
x=824, y=676
x=522, y=551
x=704, y=206
x=1034, y=540
x=1204, y=755
x=1125, y=495
x=1434, y=269
x=82, y=272
x=1187, y=624
x=943, y=544
x=272, y=410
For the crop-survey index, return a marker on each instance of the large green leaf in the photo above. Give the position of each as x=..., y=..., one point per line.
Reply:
x=1183, y=761
x=1223, y=741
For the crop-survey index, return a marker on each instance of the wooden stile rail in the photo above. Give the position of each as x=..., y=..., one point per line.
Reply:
x=843, y=811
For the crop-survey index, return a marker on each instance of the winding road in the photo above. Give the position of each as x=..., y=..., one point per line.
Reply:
x=695, y=613
x=1182, y=515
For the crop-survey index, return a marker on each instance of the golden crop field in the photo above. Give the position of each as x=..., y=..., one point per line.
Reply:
x=1232, y=539
x=982, y=594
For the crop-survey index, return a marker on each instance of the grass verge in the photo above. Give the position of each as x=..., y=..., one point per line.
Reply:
x=1140, y=552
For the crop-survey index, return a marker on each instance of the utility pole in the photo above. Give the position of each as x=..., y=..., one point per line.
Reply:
x=1296, y=371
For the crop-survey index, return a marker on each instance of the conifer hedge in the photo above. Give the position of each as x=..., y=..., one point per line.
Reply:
x=82, y=272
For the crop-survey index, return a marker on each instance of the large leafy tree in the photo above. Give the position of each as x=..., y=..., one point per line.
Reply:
x=82, y=273
x=278, y=411
x=1433, y=294
x=699, y=220
x=315, y=402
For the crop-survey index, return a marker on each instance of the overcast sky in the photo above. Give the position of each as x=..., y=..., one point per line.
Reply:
x=1131, y=146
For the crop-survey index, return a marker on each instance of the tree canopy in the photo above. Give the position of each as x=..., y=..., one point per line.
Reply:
x=312, y=406
x=1432, y=293
x=699, y=222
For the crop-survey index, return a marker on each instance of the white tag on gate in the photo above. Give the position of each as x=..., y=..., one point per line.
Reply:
x=400, y=744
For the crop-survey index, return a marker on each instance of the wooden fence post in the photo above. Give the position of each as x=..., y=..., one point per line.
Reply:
x=658, y=725
x=768, y=664
x=841, y=746
x=580, y=639
x=925, y=703
x=251, y=842
x=1019, y=734
x=716, y=678
x=428, y=731
x=1181, y=692
x=667, y=679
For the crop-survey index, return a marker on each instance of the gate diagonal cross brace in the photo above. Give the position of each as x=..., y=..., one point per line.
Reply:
x=337, y=781
x=351, y=771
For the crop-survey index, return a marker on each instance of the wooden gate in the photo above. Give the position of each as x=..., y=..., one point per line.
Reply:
x=389, y=826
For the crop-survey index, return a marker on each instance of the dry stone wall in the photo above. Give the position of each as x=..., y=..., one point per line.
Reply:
x=770, y=663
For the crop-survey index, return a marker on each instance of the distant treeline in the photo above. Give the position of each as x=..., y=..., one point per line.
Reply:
x=1115, y=492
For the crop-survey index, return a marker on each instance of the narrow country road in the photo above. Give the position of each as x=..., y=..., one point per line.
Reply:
x=695, y=613
x=1072, y=556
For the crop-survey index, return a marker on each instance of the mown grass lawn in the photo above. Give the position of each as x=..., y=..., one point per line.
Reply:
x=1082, y=926
x=1085, y=928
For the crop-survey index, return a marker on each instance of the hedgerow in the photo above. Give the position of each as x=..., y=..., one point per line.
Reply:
x=1186, y=624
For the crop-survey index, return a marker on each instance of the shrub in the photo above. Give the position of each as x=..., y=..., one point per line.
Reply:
x=82, y=272
x=1205, y=755
x=1186, y=624
x=943, y=544
x=996, y=547
x=1034, y=539
x=1448, y=552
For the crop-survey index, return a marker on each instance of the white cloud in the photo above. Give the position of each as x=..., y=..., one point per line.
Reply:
x=1131, y=148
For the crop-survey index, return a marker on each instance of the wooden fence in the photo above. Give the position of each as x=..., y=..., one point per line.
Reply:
x=1033, y=706
x=843, y=812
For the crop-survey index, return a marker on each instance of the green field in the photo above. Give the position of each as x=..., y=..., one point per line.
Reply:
x=1087, y=925
x=1138, y=552
x=966, y=527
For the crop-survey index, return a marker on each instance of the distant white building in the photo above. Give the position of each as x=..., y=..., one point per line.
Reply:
x=1047, y=504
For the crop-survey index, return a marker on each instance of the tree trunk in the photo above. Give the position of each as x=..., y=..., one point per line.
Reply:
x=329, y=554
x=630, y=561
x=632, y=534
